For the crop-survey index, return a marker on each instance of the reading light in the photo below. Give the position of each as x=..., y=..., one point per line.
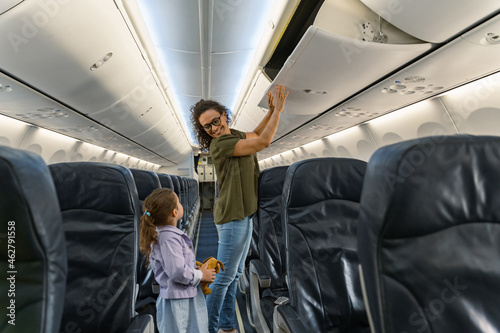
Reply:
x=101, y=61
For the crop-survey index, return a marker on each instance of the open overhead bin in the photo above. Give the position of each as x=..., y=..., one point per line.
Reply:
x=434, y=21
x=428, y=77
x=345, y=51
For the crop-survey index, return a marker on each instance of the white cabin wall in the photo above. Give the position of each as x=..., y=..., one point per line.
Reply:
x=185, y=169
x=426, y=118
x=12, y=131
x=56, y=148
x=475, y=108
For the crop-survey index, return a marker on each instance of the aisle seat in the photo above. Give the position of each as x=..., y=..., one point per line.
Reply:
x=429, y=235
x=100, y=211
x=320, y=216
x=33, y=256
x=267, y=273
x=146, y=182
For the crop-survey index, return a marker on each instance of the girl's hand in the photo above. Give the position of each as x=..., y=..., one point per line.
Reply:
x=208, y=274
x=281, y=95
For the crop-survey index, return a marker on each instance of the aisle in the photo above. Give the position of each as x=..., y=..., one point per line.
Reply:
x=205, y=240
x=205, y=237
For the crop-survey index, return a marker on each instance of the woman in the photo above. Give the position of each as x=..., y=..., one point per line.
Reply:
x=234, y=156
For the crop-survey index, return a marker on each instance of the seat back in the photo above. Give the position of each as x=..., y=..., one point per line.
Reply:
x=271, y=245
x=34, y=263
x=429, y=235
x=320, y=212
x=100, y=211
x=146, y=182
x=165, y=180
x=177, y=185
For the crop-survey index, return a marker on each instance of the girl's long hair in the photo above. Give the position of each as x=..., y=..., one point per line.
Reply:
x=159, y=204
x=196, y=111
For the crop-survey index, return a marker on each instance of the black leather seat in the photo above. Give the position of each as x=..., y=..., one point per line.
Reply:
x=100, y=210
x=429, y=235
x=184, y=198
x=177, y=185
x=194, y=195
x=165, y=181
x=320, y=213
x=267, y=273
x=34, y=263
x=146, y=182
x=177, y=189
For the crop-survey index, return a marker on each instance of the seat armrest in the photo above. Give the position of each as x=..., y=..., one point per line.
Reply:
x=243, y=283
x=259, y=278
x=142, y=324
x=285, y=319
x=258, y=269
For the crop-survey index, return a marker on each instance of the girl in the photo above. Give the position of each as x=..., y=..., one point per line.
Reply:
x=234, y=156
x=181, y=305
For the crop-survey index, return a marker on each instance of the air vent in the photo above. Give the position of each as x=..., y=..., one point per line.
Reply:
x=5, y=88
x=411, y=85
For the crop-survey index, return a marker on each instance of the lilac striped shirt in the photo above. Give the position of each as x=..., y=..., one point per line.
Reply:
x=173, y=263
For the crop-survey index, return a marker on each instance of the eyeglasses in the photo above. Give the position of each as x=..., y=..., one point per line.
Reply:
x=214, y=122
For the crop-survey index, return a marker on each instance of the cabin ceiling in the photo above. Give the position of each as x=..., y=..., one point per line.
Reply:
x=204, y=47
x=123, y=74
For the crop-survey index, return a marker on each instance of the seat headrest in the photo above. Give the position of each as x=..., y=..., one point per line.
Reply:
x=319, y=179
x=271, y=182
x=429, y=223
x=80, y=185
x=146, y=182
x=176, y=182
x=165, y=181
x=453, y=177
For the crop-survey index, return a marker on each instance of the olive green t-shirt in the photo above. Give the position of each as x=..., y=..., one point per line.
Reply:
x=237, y=178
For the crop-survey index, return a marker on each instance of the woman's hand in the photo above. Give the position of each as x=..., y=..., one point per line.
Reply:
x=270, y=101
x=281, y=95
x=208, y=274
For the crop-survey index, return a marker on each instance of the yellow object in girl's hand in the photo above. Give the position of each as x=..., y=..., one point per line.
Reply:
x=212, y=263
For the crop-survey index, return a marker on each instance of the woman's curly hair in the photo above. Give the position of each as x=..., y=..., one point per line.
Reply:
x=196, y=111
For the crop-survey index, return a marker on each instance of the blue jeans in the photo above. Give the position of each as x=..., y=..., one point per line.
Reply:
x=234, y=241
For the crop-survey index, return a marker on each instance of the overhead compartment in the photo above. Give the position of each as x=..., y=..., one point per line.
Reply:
x=22, y=103
x=430, y=76
x=335, y=61
x=8, y=4
x=83, y=54
x=431, y=20
x=251, y=114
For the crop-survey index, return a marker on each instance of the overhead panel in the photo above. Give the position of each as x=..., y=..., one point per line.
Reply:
x=8, y=4
x=431, y=20
x=430, y=76
x=325, y=68
x=22, y=103
x=249, y=107
x=54, y=48
x=434, y=74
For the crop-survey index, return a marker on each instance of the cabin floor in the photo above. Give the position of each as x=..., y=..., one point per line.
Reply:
x=205, y=240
